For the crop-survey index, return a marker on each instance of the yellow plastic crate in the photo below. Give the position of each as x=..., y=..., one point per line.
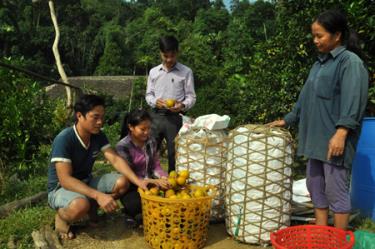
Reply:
x=176, y=223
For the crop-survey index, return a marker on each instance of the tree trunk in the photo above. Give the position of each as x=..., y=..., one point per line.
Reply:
x=55, y=49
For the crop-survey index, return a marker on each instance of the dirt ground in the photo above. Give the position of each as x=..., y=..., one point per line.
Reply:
x=111, y=233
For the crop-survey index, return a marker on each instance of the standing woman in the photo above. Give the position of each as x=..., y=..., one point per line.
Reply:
x=329, y=111
x=139, y=151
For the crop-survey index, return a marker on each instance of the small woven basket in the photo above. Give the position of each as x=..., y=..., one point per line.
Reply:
x=312, y=237
x=176, y=223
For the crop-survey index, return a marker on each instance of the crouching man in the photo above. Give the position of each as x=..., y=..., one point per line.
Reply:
x=72, y=190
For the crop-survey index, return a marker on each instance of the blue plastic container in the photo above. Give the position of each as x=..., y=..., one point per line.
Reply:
x=363, y=172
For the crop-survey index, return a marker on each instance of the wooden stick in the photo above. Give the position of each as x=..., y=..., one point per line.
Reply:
x=8, y=208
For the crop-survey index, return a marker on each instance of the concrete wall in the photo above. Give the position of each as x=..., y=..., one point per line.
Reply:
x=117, y=86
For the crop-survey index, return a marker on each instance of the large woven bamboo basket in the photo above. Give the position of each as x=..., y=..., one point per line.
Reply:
x=258, y=182
x=176, y=223
x=203, y=153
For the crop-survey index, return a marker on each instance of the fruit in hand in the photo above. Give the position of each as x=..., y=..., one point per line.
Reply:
x=170, y=102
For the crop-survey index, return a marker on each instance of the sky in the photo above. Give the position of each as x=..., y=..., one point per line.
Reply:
x=227, y=3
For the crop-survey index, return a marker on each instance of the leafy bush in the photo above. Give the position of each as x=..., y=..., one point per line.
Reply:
x=113, y=133
x=26, y=121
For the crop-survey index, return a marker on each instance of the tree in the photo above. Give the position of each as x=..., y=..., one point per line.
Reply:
x=182, y=9
x=112, y=62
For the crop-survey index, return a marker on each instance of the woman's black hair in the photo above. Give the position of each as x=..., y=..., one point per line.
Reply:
x=133, y=118
x=335, y=20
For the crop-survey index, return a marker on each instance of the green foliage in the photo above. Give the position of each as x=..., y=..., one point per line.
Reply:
x=21, y=224
x=197, y=52
x=366, y=224
x=112, y=61
x=138, y=95
x=25, y=118
x=60, y=116
x=113, y=133
x=15, y=189
x=263, y=81
x=116, y=109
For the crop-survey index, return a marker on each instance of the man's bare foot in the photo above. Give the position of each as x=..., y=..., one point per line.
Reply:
x=63, y=228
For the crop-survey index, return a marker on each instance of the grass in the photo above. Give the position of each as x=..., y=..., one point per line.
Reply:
x=16, y=189
x=365, y=224
x=20, y=224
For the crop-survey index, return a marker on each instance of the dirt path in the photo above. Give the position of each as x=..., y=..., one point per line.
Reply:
x=112, y=234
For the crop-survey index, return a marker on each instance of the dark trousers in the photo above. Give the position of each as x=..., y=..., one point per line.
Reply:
x=131, y=201
x=166, y=126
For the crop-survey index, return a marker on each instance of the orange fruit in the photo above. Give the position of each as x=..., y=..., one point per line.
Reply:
x=173, y=174
x=169, y=193
x=199, y=193
x=172, y=182
x=184, y=173
x=154, y=191
x=170, y=102
x=184, y=191
x=181, y=180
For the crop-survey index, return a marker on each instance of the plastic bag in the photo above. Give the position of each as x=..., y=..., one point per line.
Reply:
x=300, y=192
x=364, y=240
x=212, y=122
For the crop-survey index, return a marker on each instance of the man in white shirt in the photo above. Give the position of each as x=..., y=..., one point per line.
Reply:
x=170, y=91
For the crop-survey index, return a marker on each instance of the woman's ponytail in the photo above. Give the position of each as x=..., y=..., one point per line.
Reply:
x=125, y=126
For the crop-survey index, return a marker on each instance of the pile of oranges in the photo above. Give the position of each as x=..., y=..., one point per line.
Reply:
x=179, y=187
